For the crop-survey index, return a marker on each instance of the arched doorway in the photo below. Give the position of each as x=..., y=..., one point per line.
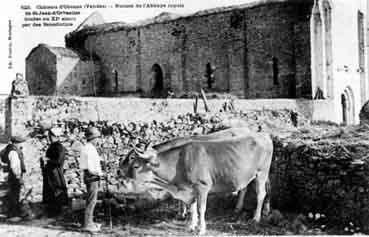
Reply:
x=348, y=107
x=157, y=82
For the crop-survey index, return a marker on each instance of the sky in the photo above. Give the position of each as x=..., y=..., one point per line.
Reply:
x=23, y=39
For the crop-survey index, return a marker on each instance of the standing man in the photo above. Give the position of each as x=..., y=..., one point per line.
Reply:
x=91, y=167
x=13, y=157
x=54, y=192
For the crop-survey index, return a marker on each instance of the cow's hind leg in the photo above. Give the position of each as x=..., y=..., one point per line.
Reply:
x=260, y=182
x=240, y=201
x=183, y=210
x=266, y=208
x=201, y=208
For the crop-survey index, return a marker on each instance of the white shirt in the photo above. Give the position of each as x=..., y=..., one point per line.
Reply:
x=90, y=160
x=15, y=164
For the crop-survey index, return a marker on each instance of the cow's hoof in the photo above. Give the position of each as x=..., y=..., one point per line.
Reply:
x=201, y=232
x=192, y=227
x=256, y=219
x=237, y=210
x=181, y=217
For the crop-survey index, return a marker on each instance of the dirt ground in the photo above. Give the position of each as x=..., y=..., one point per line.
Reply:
x=163, y=219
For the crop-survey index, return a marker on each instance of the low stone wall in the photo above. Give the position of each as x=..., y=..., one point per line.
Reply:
x=326, y=174
x=33, y=109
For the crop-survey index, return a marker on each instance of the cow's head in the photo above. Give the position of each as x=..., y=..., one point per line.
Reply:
x=138, y=167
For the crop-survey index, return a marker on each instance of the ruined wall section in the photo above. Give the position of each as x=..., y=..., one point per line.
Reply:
x=258, y=52
x=117, y=55
x=302, y=50
x=212, y=39
x=276, y=45
x=162, y=45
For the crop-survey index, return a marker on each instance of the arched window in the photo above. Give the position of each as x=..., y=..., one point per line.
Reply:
x=157, y=83
x=348, y=106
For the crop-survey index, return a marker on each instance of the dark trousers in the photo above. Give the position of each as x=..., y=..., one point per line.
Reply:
x=92, y=190
x=13, y=196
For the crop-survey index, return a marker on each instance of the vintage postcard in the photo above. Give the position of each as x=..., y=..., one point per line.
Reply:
x=184, y=117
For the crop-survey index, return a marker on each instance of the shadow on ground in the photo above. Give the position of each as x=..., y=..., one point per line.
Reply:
x=163, y=219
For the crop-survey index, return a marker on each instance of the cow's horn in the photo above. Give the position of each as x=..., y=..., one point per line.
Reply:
x=143, y=155
x=138, y=150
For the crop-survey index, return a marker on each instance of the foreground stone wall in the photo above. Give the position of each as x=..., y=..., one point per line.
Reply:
x=310, y=171
x=324, y=174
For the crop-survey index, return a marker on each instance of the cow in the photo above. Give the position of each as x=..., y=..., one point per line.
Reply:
x=193, y=169
x=229, y=132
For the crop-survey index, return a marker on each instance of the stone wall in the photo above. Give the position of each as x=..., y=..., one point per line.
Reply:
x=41, y=71
x=324, y=173
x=77, y=77
x=311, y=171
x=60, y=71
x=254, y=56
x=134, y=109
x=3, y=111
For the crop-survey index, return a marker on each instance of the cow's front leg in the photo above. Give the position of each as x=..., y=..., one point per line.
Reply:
x=194, y=216
x=201, y=208
x=183, y=211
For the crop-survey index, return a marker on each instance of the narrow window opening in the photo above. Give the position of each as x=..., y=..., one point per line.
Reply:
x=116, y=81
x=344, y=109
x=209, y=74
x=275, y=71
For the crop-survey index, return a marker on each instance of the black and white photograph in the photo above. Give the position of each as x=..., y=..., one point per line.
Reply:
x=184, y=118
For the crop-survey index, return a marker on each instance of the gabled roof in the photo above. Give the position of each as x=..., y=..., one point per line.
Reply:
x=93, y=19
x=167, y=17
x=58, y=51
